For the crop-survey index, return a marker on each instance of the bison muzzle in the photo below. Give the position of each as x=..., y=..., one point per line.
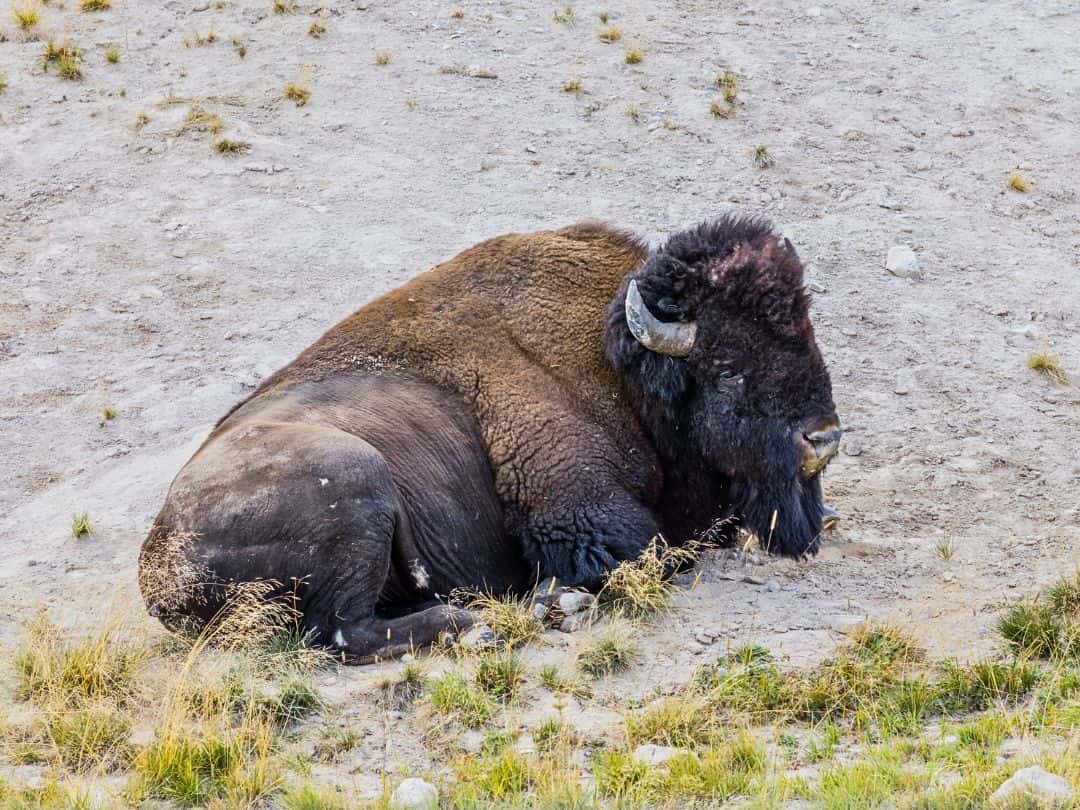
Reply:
x=541, y=405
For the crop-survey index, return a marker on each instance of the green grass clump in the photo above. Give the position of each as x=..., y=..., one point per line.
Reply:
x=553, y=735
x=66, y=59
x=499, y=675
x=1048, y=626
x=48, y=667
x=979, y=686
x=225, y=146
x=308, y=797
x=608, y=653
x=452, y=695
x=402, y=691
x=81, y=525
x=28, y=15
x=635, y=56
x=682, y=722
x=512, y=620
x=112, y=56
x=492, y=780
x=643, y=587
x=89, y=735
x=551, y=677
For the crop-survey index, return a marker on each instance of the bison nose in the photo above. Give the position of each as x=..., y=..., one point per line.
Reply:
x=817, y=445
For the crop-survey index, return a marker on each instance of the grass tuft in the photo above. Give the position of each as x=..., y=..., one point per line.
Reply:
x=316, y=30
x=308, y=797
x=512, y=620
x=564, y=17
x=452, y=695
x=382, y=58
x=28, y=15
x=609, y=35
x=400, y=693
x=112, y=55
x=225, y=146
x=283, y=7
x=608, y=653
x=635, y=56
x=81, y=525
x=763, y=159
x=719, y=110
x=95, y=5
x=1017, y=183
x=298, y=93
x=572, y=86
x=945, y=547
x=1049, y=366
x=643, y=587
x=499, y=675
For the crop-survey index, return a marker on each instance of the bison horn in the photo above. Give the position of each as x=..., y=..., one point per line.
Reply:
x=675, y=339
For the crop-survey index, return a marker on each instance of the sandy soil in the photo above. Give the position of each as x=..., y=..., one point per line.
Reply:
x=140, y=270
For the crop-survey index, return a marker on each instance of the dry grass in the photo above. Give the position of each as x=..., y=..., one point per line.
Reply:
x=763, y=158
x=1017, y=183
x=283, y=7
x=95, y=5
x=572, y=86
x=609, y=35
x=112, y=55
x=297, y=92
x=512, y=620
x=27, y=15
x=609, y=652
x=199, y=119
x=635, y=56
x=64, y=57
x=382, y=58
x=228, y=146
x=81, y=525
x=720, y=110
x=457, y=14
x=3, y=83
x=316, y=30
x=564, y=17
x=642, y=587
x=1049, y=366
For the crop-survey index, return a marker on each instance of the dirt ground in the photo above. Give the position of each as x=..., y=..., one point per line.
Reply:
x=143, y=271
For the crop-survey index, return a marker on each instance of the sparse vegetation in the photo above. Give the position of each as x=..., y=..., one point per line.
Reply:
x=641, y=587
x=633, y=114
x=945, y=547
x=564, y=17
x=108, y=414
x=635, y=56
x=572, y=86
x=239, y=47
x=141, y=120
x=112, y=55
x=95, y=5
x=307, y=797
x=457, y=14
x=81, y=526
x=763, y=158
x=65, y=58
x=610, y=652
x=283, y=7
x=382, y=58
x=1049, y=366
x=298, y=93
x=27, y=15
x=402, y=691
x=609, y=35
x=316, y=29
x=513, y=621
x=729, y=85
x=1017, y=183
x=452, y=695
x=3, y=83
x=499, y=675
x=227, y=146
x=199, y=119
x=719, y=110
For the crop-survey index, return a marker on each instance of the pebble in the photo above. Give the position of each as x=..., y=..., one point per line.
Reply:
x=1033, y=784
x=852, y=446
x=772, y=586
x=695, y=648
x=902, y=262
x=573, y=602
x=571, y=624
x=477, y=637
x=414, y=794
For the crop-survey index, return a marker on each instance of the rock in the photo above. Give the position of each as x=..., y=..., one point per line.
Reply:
x=651, y=754
x=695, y=648
x=571, y=624
x=772, y=586
x=1033, y=783
x=477, y=637
x=890, y=202
x=573, y=602
x=852, y=446
x=540, y=610
x=902, y=262
x=414, y=794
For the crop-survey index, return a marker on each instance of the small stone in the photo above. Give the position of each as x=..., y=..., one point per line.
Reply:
x=571, y=624
x=890, y=202
x=902, y=262
x=477, y=637
x=573, y=602
x=414, y=794
x=772, y=586
x=695, y=648
x=540, y=610
x=816, y=286
x=901, y=389
x=852, y=446
x=961, y=132
x=651, y=754
x=1034, y=783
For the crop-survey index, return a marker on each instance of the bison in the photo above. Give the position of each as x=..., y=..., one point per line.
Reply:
x=541, y=405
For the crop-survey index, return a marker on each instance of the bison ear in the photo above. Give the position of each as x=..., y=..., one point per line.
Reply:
x=673, y=339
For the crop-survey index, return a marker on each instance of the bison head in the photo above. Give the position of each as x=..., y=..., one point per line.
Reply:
x=712, y=333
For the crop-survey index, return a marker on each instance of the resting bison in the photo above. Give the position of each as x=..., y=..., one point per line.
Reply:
x=541, y=405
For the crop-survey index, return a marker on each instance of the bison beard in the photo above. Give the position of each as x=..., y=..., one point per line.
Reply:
x=518, y=412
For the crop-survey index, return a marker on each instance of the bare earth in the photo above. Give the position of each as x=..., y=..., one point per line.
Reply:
x=141, y=270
